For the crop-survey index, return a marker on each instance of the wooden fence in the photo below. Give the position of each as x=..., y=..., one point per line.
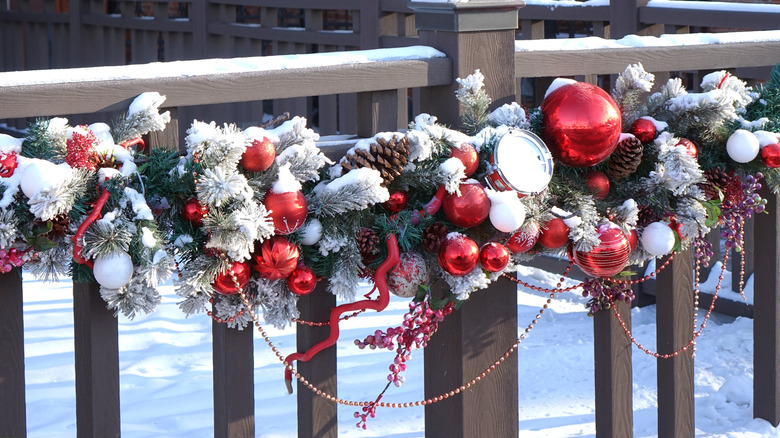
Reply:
x=487, y=409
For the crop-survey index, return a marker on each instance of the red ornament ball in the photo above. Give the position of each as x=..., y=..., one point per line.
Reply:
x=469, y=208
x=275, y=258
x=458, y=255
x=8, y=164
x=288, y=210
x=643, y=129
x=598, y=183
x=555, y=234
x=493, y=256
x=633, y=238
x=690, y=147
x=223, y=282
x=194, y=212
x=467, y=154
x=302, y=280
x=397, y=201
x=259, y=155
x=770, y=154
x=582, y=124
x=609, y=257
x=410, y=272
x=524, y=239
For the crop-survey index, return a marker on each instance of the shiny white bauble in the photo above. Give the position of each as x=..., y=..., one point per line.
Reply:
x=658, y=239
x=742, y=146
x=311, y=232
x=114, y=270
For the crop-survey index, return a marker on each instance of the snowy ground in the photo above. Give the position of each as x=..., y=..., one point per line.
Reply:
x=165, y=365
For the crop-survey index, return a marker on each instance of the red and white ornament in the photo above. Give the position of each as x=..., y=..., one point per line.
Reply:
x=525, y=239
x=493, y=257
x=275, y=258
x=469, y=208
x=113, y=271
x=458, y=254
x=410, y=272
x=742, y=146
x=8, y=163
x=690, y=147
x=397, y=201
x=260, y=153
x=643, y=129
x=302, y=280
x=657, y=239
x=507, y=213
x=770, y=155
x=554, y=234
x=467, y=154
x=582, y=124
x=609, y=257
x=194, y=212
x=598, y=183
x=224, y=283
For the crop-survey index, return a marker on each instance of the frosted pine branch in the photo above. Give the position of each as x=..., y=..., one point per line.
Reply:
x=631, y=87
x=357, y=190
x=215, y=146
x=305, y=160
x=221, y=184
x=142, y=117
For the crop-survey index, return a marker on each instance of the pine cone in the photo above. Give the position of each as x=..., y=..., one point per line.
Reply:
x=718, y=177
x=367, y=241
x=387, y=156
x=646, y=216
x=59, y=226
x=433, y=236
x=626, y=158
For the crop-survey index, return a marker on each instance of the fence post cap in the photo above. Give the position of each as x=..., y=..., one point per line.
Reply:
x=470, y=16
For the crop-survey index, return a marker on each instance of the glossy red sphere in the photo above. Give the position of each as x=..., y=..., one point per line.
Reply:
x=470, y=208
x=288, y=210
x=609, y=257
x=302, y=280
x=770, y=154
x=458, y=255
x=643, y=129
x=467, y=154
x=493, y=256
x=275, y=258
x=690, y=147
x=555, y=234
x=633, y=239
x=194, y=212
x=8, y=164
x=582, y=124
x=397, y=201
x=259, y=155
x=598, y=183
x=223, y=282
x=524, y=239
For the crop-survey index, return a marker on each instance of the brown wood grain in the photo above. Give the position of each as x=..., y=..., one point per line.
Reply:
x=613, y=374
x=234, y=376
x=97, y=364
x=13, y=413
x=674, y=323
x=764, y=19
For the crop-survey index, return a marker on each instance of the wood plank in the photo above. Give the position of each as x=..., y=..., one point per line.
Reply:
x=13, y=415
x=545, y=63
x=97, y=364
x=302, y=4
x=613, y=374
x=380, y=111
x=674, y=307
x=317, y=417
x=766, y=325
x=767, y=18
x=234, y=377
x=32, y=17
x=624, y=17
x=369, y=24
x=564, y=13
x=285, y=35
x=113, y=95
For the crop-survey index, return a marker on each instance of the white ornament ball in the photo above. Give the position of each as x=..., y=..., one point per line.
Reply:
x=507, y=213
x=41, y=174
x=311, y=232
x=658, y=239
x=765, y=138
x=742, y=146
x=411, y=271
x=114, y=270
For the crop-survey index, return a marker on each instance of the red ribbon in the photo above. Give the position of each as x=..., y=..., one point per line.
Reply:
x=93, y=216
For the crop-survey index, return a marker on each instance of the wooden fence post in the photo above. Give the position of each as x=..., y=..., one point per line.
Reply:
x=624, y=17
x=97, y=363
x=766, y=305
x=613, y=374
x=379, y=111
x=13, y=419
x=317, y=417
x=674, y=307
x=234, y=377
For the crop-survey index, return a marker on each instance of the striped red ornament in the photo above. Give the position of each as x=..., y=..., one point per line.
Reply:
x=609, y=257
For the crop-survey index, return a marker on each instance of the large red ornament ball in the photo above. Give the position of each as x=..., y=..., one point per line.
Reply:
x=770, y=154
x=470, y=208
x=288, y=210
x=524, y=239
x=302, y=280
x=8, y=164
x=609, y=257
x=581, y=124
x=598, y=183
x=397, y=201
x=493, y=256
x=458, y=255
x=194, y=212
x=467, y=154
x=690, y=147
x=223, y=282
x=555, y=234
x=275, y=258
x=643, y=129
x=410, y=272
x=259, y=155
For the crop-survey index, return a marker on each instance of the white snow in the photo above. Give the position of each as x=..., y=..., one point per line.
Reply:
x=589, y=43
x=286, y=182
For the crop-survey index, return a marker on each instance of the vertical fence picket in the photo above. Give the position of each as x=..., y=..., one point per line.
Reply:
x=13, y=414
x=674, y=307
x=234, y=377
x=613, y=374
x=97, y=363
x=766, y=326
